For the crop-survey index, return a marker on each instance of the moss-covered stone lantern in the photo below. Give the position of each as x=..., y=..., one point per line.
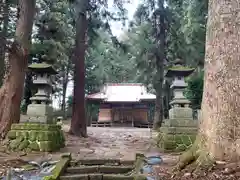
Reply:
x=179, y=131
x=37, y=131
x=180, y=105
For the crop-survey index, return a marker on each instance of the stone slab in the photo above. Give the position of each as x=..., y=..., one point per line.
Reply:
x=37, y=119
x=39, y=110
x=82, y=169
x=59, y=169
x=180, y=113
x=180, y=123
x=101, y=177
x=95, y=177
x=179, y=130
x=74, y=177
x=99, y=161
x=122, y=177
x=114, y=169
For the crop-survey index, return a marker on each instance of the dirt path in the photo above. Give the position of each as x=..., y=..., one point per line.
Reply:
x=109, y=143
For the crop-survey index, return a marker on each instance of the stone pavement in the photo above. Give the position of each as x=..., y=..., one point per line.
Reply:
x=108, y=142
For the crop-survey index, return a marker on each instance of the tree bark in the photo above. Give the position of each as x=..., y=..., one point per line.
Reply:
x=219, y=134
x=3, y=39
x=160, y=57
x=12, y=89
x=78, y=123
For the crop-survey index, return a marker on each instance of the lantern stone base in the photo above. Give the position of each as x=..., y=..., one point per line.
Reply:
x=35, y=137
x=181, y=113
x=37, y=119
x=39, y=113
x=177, y=135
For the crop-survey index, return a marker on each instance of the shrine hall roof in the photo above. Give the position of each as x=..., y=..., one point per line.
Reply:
x=123, y=92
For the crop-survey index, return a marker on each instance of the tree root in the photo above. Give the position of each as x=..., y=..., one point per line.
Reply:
x=197, y=157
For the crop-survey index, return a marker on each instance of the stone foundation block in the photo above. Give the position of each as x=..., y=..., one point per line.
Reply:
x=175, y=142
x=39, y=110
x=35, y=137
x=180, y=123
x=180, y=113
x=179, y=130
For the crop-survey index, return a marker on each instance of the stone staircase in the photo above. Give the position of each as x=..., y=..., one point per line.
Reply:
x=100, y=169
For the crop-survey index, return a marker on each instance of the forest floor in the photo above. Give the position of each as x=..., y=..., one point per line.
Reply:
x=119, y=143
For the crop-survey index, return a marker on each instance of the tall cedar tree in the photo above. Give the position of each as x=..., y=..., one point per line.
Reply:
x=78, y=124
x=218, y=137
x=12, y=89
x=4, y=10
x=160, y=29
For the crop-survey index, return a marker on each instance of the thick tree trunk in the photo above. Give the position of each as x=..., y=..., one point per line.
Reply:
x=78, y=123
x=160, y=57
x=219, y=133
x=158, y=114
x=3, y=39
x=12, y=89
x=221, y=97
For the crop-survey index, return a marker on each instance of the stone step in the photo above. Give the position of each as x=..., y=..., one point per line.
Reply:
x=99, y=169
x=101, y=177
x=92, y=162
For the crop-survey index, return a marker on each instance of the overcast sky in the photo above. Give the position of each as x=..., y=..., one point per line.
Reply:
x=117, y=30
x=117, y=27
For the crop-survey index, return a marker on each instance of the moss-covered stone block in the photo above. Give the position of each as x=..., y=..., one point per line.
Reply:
x=181, y=147
x=23, y=145
x=32, y=126
x=184, y=139
x=33, y=135
x=22, y=133
x=176, y=142
x=46, y=146
x=180, y=123
x=44, y=137
x=34, y=146
x=28, y=150
x=16, y=127
x=14, y=144
x=51, y=127
x=12, y=134
x=179, y=130
x=169, y=145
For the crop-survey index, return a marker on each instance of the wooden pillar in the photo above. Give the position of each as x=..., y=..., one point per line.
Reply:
x=132, y=115
x=112, y=115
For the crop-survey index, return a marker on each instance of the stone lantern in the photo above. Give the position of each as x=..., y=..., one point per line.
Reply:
x=40, y=109
x=180, y=105
x=37, y=131
x=179, y=131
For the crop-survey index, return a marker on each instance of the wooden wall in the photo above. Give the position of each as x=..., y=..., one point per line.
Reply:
x=126, y=115
x=105, y=115
x=140, y=114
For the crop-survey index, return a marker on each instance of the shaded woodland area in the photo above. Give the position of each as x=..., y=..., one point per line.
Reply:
x=87, y=42
x=75, y=36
